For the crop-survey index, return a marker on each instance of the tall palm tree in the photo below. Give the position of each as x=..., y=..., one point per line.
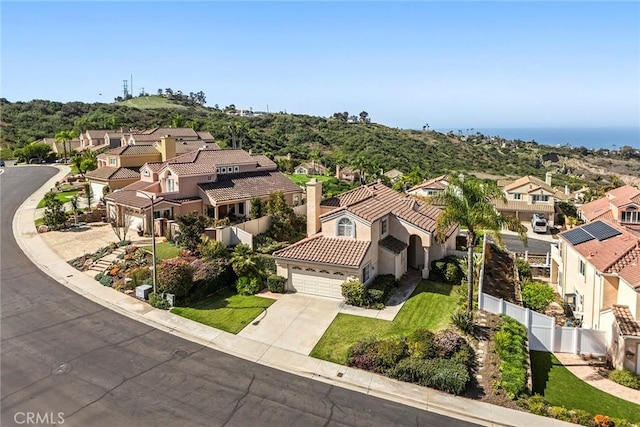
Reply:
x=65, y=136
x=468, y=202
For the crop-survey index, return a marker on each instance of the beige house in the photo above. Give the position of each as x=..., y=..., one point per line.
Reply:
x=620, y=205
x=359, y=234
x=58, y=149
x=528, y=195
x=310, y=168
x=430, y=187
x=347, y=174
x=393, y=175
x=214, y=182
x=596, y=268
x=151, y=136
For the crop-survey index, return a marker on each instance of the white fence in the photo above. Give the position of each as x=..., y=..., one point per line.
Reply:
x=544, y=335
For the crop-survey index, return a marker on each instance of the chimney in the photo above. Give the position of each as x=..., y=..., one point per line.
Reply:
x=548, y=178
x=338, y=171
x=167, y=147
x=314, y=196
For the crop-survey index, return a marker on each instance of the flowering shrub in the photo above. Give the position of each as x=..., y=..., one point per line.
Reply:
x=175, y=276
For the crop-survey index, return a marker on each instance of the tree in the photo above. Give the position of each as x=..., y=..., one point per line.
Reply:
x=64, y=137
x=178, y=121
x=85, y=161
x=239, y=132
x=468, y=202
x=192, y=226
x=54, y=215
x=88, y=192
x=244, y=261
x=120, y=226
x=75, y=207
x=364, y=117
x=38, y=150
x=257, y=207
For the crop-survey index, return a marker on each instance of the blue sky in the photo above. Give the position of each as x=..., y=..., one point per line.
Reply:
x=455, y=64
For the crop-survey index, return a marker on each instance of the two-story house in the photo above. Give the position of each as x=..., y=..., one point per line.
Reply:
x=429, y=187
x=620, y=205
x=597, y=271
x=310, y=168
x=151, y=136
x=528, y=195
x=120, y=166
x=359, y=234
x=214, y=182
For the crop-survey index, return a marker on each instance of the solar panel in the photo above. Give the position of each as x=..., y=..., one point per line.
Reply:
x=577, y=236
x=600, y=230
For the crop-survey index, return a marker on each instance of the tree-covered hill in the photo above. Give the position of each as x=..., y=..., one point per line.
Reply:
x=368, y=146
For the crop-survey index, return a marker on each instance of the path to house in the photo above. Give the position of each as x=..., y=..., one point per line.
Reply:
x=254, y=350
x=589, y=374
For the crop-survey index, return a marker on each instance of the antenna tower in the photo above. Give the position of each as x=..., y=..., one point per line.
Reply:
x=125, y=88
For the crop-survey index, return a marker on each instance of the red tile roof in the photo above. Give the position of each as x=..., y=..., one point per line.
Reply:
x=107, y=173
x=628, y=266
x=132, y=150
x=245, y=186
x=205, y=161
x=617, y=197
x=626, y=323
x=536, y=184
x=326, y=250
x=435, y=183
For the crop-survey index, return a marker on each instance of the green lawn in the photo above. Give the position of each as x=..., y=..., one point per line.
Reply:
x=227, y=310
x=63, y=196
x=164, y=250
x=303, y=179
x=429, y=307
x=561, y=388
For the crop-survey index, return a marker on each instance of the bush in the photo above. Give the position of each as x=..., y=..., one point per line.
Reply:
x=448, y=342
x=625, y=378
x=362, y=355
x=212, y=249
x=139, y=275
x=276, y=283
x=377, y=356
x=463, y=320
x=511, y=348
x=106, y=280
x=447, y=270
x=421, y=345
x=443, y=374
x=210, y=277
x=453, y=273
x=156, y=300
x=379, y=290
x=537, y=296
x=246, y=285
x=523, y=267
x=353, y=292
x=466, y=355
x=175, y=276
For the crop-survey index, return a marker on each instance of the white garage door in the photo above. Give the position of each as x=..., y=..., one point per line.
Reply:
x=133, y=221
x=312, y=282
x=96, y=189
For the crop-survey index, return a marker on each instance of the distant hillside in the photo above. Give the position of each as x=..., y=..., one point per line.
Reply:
x=332, y=141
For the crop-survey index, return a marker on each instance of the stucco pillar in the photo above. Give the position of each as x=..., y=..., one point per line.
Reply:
x=425, y=269
x=215, y=213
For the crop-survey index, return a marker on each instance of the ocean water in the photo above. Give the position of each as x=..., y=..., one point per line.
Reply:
x=593, y=138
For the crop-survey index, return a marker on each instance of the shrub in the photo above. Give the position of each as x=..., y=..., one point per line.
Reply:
x=511, y=348
x=447, y=270
x=443, y=374
x=210, y=277
x=603, y=421
x=106, y=280
x=139, y=275
x=448, y=342
x=362, y=355
x=157, y=301
x=421, y=345
x=463, y=320
x=212, y=249
x=246, y=285
x=379, y=290
x=276, y=283
x=453, y=273
x=625, y=378
x=98, y=276
x=537, y=296
x=389, y=353
x=353, y=292
x=466, y=356
x=175, y=276
x=523, y=267
x=266, y=264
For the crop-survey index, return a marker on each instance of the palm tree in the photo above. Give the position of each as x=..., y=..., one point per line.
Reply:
x=64, y=137
x=468, y=202
x=243, y=261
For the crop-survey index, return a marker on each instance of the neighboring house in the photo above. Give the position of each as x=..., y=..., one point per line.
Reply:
x=597, y=271
x=430, y=187
x=620, y=205
x=347, y=174
x=393, y=175
x=92, y=139
x=57, y=147
x=153, y=135
x=528, y=195
x=310, y=168
x=120, y=166
x=214, y=182
x=359, y=234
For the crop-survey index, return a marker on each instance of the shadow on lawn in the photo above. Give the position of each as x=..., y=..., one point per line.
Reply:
x=541, y=365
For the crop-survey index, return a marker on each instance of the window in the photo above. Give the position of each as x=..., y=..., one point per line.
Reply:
x=113, y=161
x=345, y=227
x=631, y=216
x=540, y=198
x=582, y=267
x=241, y=208
x=236, y=168
x=366, y=273
x=170, y=184
x=517, y=196
x=145, y=172
x=384, y=226
x=223, y=170
x=162, y=214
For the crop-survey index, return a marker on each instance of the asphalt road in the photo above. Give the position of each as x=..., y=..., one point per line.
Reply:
x=535, y=246
x=61, y=353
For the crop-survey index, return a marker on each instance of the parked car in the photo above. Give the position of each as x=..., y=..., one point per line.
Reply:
x=539, y=223
x=36, y=161
x=63, y=160
x=1, y=163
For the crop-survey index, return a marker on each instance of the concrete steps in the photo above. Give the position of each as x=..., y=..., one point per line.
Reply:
x=101, y=265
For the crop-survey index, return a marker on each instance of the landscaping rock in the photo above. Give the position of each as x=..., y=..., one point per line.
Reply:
x=43, y=229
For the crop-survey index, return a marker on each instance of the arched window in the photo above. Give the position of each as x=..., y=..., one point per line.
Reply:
x=346, y=227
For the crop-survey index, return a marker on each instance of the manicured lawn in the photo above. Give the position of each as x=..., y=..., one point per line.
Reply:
x=64, y=197
x=226, y=310
x=429, y=307
x=303, y=179
x=164, y=250
x=561, y=388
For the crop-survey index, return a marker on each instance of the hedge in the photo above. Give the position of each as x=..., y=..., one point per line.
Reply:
x=511, y=347
x=446, y=375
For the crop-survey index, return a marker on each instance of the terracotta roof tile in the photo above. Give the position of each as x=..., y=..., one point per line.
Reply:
x=626, y=323
x=205, y=161
x=435, y=183
x=133, y=150
x=628, y=266
x=326, y=250
x=535, y=182
x=248, y=185
x=107, y=172
x=522, y=206
x=97, y=133
x=264, y=161
x=617, y=197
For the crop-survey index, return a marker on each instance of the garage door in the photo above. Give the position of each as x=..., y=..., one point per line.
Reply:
x=96, y=189
x=133, y=221
x=315, y=283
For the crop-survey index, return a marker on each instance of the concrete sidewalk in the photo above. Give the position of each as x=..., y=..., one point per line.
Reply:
x=250, y=349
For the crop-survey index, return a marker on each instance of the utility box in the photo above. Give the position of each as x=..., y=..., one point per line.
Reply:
x=143, y=291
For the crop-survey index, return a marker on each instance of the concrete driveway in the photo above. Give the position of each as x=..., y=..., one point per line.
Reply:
x=295, y=322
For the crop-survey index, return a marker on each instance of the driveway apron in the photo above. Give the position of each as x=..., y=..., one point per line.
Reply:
x=295, y=322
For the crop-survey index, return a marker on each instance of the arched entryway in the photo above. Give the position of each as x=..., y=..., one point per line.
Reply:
x=415, y=253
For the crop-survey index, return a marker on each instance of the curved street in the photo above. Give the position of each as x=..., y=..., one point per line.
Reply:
x=61, y=353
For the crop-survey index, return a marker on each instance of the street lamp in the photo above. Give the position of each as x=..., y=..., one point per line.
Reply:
x=153, y=236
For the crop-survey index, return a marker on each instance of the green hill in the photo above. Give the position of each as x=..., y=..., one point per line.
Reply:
x=146, y=102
